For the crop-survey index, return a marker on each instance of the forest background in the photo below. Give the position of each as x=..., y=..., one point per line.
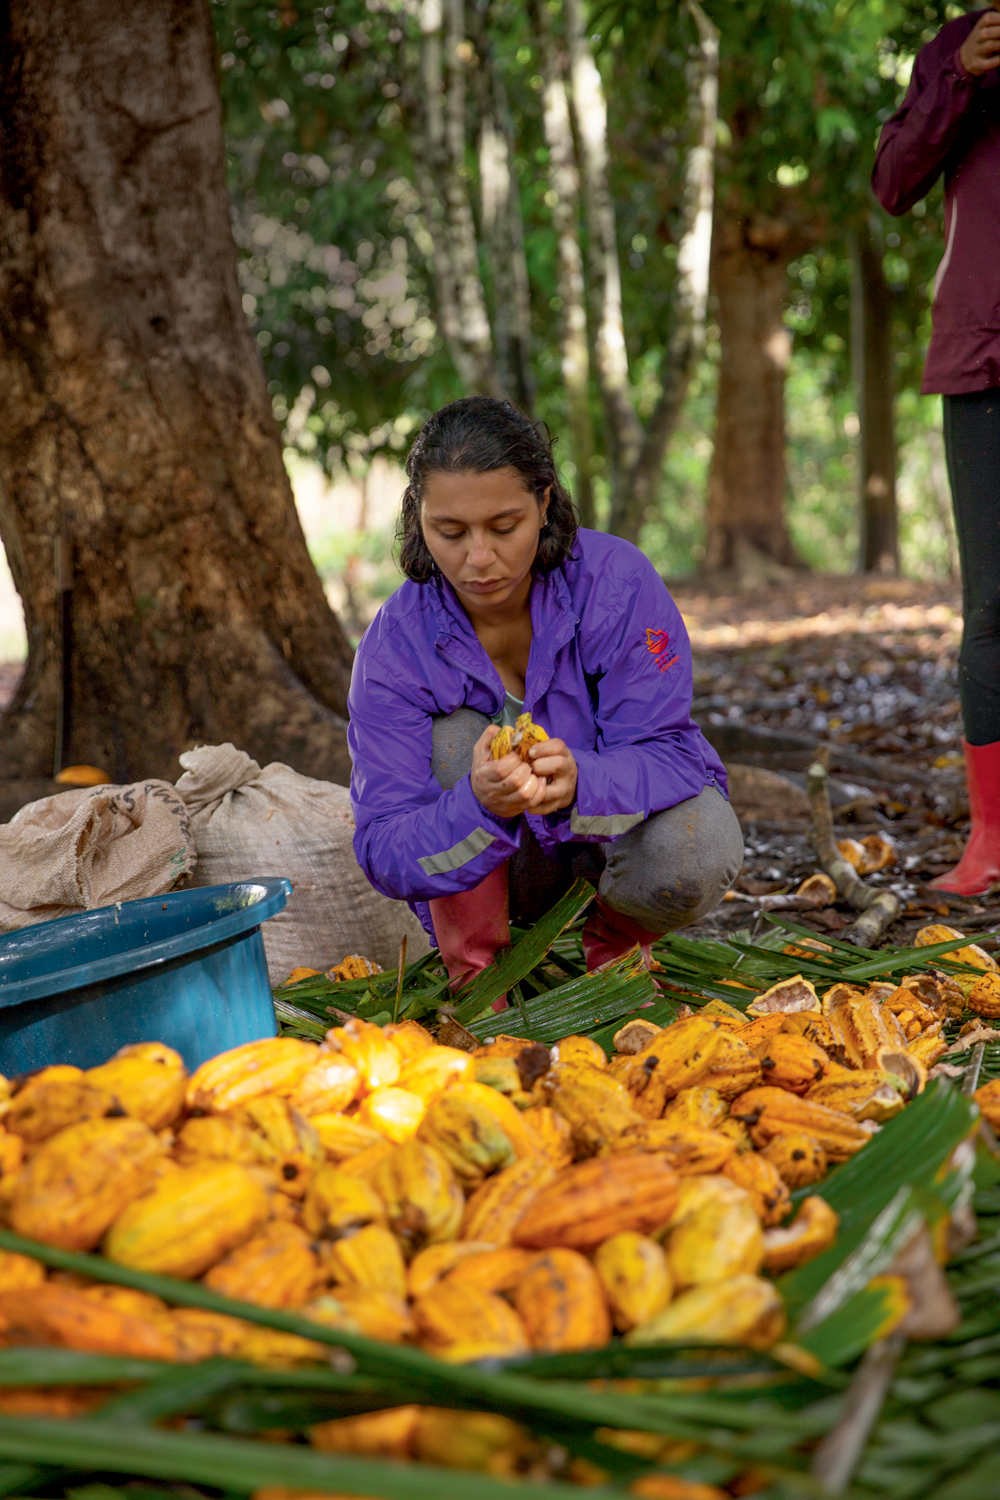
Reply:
x=396, y=254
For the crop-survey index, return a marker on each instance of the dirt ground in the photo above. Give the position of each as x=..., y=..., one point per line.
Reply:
x=864, y=667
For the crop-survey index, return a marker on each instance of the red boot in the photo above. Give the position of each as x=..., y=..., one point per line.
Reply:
x=472, y=927
x=979, y=866
x=607, y=935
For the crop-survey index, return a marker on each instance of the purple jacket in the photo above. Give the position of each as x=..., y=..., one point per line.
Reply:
x=950, y=122
x=609, y=673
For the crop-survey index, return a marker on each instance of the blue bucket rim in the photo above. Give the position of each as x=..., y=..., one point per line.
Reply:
x=275, y=891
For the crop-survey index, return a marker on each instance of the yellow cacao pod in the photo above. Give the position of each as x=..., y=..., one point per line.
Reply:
x=771, y=1112
x=635, y=1276
x=590, y=1201
x=409, y=1038
x=714, y=1233
x=395, y=1113
x=292, y=1140
x=786, y=997
x=222, y=1138
x=561, y=1302
x=734, y=1068
x=596, y=1105
x=438, y=1261
x=468, y=1133
x=343, y=1136
x=189, y=1220
x=812, y=1231
x=689, y=1150
x=927, y=1049
x=495, y=1209
x=866, y=1094
x=791, y=1062
x=330, y=1085
x=984, y=996
x=41, y=1110
x=434, y=1070
x=422, y=1197
x=518, y=739
x=206, y=1335
x=799, y=1159
x=369, y=1257
x=377, y=1313
x=743, y=1310
x=764, y=1183
x=149, y=1081
x=451, y=1314
x=493, y=1270
x=18, y=1271
x=580, y=1049
x=339, y=1203
x=973, y=955
x=234, y=1078
x=477, y=1440
x=701, y=1107
x=366, y=1046
x=275, y=1268
x=376, y=1434
x=79, y=1181
x=678, y=1057
x=552, y=1133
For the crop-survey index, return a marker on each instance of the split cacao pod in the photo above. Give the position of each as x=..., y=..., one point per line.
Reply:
x=635, y=1276
x=580, y=1049
x=588, y=1202
x=495, y=1209
x=149, y=1081
x=743, y=1310
x=812, y=1231
x=79, y=1181
x=189, y=1220
x=865, y=1094
x=275, y=1268
x=232, y=1079
x=679, y=1056
x=701, y=1106
x=984, y=996
x=786, y=997
x=562, y=1304
x=635, y=1036
x=517, y=739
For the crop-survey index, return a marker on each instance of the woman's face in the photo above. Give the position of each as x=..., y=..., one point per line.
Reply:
x=482, y=531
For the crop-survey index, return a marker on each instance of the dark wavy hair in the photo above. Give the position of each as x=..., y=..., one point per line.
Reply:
x=474, y=436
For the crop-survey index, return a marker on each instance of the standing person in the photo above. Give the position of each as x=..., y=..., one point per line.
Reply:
x=508, y=608
x=949, y=122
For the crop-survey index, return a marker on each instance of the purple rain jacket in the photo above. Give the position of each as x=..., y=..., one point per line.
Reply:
x=609, y=673
x=950, y=121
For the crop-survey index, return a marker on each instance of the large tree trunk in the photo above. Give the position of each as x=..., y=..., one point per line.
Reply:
x=747, y=536
x=136, y=421
x=874, y=377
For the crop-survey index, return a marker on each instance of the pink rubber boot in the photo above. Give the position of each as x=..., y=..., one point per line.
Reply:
x=472, y=927
x=979, y=866
x=607, y=935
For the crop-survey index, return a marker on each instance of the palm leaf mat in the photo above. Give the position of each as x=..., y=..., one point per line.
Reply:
x=705, y=1413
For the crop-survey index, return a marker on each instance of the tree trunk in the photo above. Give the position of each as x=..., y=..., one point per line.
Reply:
x=137, y=424
x=874, y=377
x=747, y=537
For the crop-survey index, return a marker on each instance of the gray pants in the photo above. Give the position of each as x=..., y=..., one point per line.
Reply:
x=671, y=870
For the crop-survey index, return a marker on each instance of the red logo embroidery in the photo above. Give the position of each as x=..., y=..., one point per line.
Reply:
x=658, y=644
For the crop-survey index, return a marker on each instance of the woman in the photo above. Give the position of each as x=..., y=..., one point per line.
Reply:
x=510, y=608
x=950, y=122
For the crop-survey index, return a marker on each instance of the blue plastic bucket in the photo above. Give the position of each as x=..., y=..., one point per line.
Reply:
x=187, y=969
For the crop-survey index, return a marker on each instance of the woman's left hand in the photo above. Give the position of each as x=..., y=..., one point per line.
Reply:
x=552, y=761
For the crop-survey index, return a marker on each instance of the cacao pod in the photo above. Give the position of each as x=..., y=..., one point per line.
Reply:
x=973, y=955
x=714, y=1233
x=378, y=1314
x=798, y=1158
x=580, y=1049
x=41, y=1110
x=17, y=1271
x=517, y=739
x=422, y=1197
x=743, y=1310
x=292, y=1142
x=812, y=1231
x=354, y=966
x=339, y=1203
x=232, y=1079
x=552, y=1133
x=988, y=1099
x=771, y=1112
x=205, y=1335
x=409, y=1038
x=786, y=997
x=365, y=1045
x=434, y=1070
x=734, y=1068
x=189, y=1220
x=279, y=1351
x=148, y=1079
x=927, y=1049
x=275, y=1268
x=394, y=1113
x=376, y=1434
x=595, y=1104
x=678, y=1057
x=437, y=1261
x=728, y=1015
x=688, y=1149
x=590, y=1201
x=635, y=1276
x=763, y=1181
x=66, y=1316
x=635, y=1036
x=451, y=1315
x=330, y=1085
x=984, y=996
x=702, y=1107
x=477, y=1440
x=79, y=1181
x=765, y=1027
x=496, y=1270
x=737, y=1132
x=370, y=1257
x=561, y=1302
x=494, y=1210
x=791, y=1062
x=343, y=1136
x=500, y=1073
x=864, y=1094
x=465, y=1128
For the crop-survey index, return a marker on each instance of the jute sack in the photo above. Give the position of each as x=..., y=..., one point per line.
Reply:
x=249, y=822
x=92, y=847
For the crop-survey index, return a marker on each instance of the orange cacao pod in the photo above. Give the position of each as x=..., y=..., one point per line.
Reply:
x=494, y=1210
x=561, y=1302
x=592, y=1200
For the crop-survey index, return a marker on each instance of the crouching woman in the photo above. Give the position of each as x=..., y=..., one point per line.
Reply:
x=511, y=608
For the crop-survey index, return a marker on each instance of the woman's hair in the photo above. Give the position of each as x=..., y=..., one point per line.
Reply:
x=474, y=436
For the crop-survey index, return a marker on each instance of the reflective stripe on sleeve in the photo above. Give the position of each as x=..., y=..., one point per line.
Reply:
x=607, y=828
x=459, y=854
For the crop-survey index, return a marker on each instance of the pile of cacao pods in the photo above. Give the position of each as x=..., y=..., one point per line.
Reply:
x=483, y=1204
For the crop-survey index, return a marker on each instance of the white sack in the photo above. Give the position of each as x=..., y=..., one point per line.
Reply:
x=247, y=822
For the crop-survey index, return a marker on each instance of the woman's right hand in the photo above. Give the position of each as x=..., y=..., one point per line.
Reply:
x=980, y=52
x=508, y=787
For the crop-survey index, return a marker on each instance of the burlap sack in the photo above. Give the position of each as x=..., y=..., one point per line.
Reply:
x=92, y=847
x=250, y=822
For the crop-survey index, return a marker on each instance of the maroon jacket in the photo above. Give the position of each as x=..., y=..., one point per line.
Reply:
x=950, y=122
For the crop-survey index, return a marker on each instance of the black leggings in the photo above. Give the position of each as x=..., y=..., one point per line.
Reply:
x=972, y=447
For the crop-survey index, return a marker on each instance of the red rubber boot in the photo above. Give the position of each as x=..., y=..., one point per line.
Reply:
x=607, y=935
x=979, y=866
x=472, y=927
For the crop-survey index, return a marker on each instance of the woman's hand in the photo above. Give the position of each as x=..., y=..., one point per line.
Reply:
x=508, y=787
x=980, y=52
x=554, y=763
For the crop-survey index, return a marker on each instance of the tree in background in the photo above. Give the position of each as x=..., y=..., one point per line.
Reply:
x=138, y=442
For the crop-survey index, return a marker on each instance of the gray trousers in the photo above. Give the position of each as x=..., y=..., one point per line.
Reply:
x=670, y=870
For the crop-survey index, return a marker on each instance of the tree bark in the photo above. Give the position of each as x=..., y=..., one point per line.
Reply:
x=636, y=489
x=137, y=423
x=747, y=536
x=874, y=378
